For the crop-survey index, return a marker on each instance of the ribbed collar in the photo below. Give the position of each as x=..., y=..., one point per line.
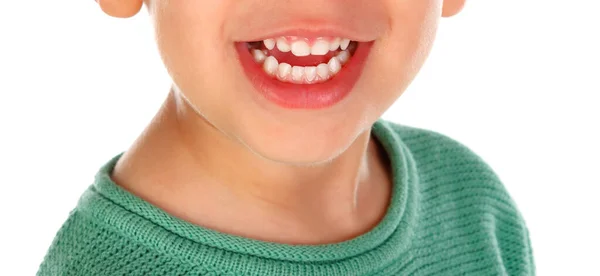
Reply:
x=372, y=252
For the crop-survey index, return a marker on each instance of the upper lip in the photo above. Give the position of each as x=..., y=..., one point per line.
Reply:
x=309, y=30
x=354, y=30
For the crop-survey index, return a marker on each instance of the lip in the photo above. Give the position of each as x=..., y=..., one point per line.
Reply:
x=307, y=27
x=305, y=96
x=321, y=31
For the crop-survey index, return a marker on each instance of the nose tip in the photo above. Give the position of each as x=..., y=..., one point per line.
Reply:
x=120, y=9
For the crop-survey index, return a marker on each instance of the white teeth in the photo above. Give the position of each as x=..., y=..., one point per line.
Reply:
x=300, y=74
x=343, y=56
x=321, y=47
x=344, y=44
x=284, y=70
x=335, y=44
x=334, y=65
x=323, y=71
x=258, y=55
x=297, y=73
x=299, y=48
x=310, y=72
x=271, y=65
x=269, y=43
x=283, y=45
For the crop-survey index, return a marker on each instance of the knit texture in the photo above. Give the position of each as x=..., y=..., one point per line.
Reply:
x=449, y=215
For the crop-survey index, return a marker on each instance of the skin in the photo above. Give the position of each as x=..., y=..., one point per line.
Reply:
x=216, y=156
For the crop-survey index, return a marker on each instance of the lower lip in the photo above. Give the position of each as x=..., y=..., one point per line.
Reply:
x=305, y=96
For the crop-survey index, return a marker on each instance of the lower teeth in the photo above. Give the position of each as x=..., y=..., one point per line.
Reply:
x=300, y=74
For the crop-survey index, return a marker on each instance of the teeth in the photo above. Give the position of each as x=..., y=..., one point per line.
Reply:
x=283, y=71
x=310, y=72
x=334, y=65
x=335, y=44
x=321, y=47
x=297, y=73
x=283, y=45
x=299, y=48
x=343, y=56
x=323, y=71
x=271, y=65
x=269, y=43
x=258, y=55
x=344, y=44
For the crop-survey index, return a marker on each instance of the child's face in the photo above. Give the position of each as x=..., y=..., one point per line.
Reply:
x=202, y=43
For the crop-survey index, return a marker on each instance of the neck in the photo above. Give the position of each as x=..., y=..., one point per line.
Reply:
x=188, y=167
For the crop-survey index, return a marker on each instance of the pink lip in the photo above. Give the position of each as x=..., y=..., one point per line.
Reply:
x=307, y=28
x=305, y=96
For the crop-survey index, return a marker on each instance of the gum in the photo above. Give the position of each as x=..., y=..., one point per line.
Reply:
x=310, y=40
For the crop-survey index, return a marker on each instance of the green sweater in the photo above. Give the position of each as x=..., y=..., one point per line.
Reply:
x=449, y=215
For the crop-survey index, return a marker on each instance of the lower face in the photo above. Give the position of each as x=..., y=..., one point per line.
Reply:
x=295, y=81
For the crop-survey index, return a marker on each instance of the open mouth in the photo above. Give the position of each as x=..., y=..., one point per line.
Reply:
x=302, y=60
x=303, y=72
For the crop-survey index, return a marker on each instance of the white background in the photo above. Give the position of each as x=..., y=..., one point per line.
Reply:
x=517, y=81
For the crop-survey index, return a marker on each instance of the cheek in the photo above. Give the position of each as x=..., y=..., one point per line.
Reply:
x=191, y=42
x=404, y=50
x=187, y=39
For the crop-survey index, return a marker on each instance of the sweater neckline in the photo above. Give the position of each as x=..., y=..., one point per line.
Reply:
x=137, y=219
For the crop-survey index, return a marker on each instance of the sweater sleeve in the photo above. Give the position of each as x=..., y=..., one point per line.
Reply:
x=64, y=250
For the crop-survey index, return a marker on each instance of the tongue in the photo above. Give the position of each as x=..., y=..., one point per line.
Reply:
x=310, y=60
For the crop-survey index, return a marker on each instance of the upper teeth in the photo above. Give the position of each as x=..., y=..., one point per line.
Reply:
x=335, y=44
x=300, y=47
x=321, y=47
x=282, y=45
x=344, y=43
x=269, y=43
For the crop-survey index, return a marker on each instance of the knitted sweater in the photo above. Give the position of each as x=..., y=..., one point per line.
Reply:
x=449, y=215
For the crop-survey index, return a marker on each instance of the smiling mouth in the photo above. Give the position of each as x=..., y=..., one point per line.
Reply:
x=301, y=60
x=303, y=72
